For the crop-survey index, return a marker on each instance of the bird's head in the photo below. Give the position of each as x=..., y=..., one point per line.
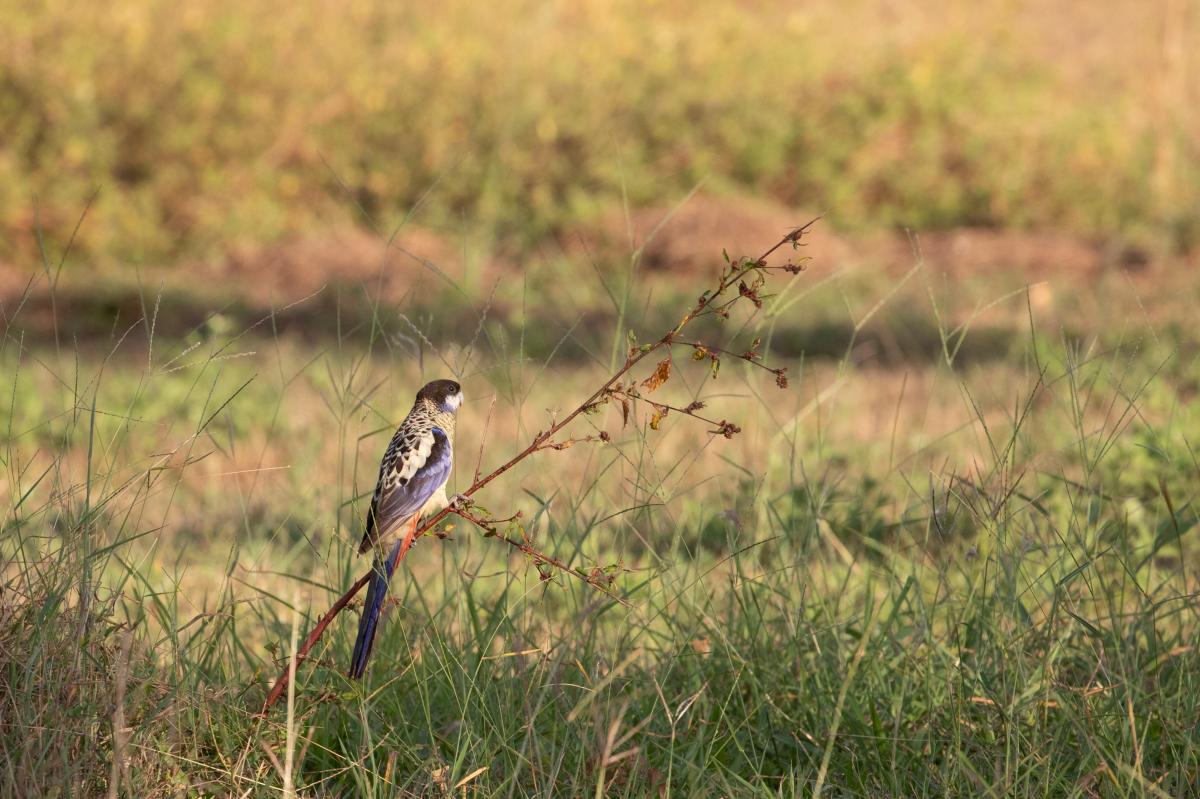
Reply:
x=445, y=395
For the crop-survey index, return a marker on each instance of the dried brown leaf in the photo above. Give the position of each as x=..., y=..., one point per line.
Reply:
x=662, y=373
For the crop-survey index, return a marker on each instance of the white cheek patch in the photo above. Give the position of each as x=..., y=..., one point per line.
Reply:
x=453, y=401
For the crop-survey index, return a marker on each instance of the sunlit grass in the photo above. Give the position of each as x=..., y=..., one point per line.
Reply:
x=969, y=580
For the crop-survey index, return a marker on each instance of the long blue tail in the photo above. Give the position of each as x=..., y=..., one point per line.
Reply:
x=381, y=573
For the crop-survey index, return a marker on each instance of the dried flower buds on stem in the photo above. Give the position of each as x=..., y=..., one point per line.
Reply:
x=749, y=276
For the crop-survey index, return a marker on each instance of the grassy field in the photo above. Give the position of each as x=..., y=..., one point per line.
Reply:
x=955, y=556
x=965, y=569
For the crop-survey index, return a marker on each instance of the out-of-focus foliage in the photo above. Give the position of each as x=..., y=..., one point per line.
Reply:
x=209, y=123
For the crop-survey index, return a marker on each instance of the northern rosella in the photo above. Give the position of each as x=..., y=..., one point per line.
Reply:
x=412, y=482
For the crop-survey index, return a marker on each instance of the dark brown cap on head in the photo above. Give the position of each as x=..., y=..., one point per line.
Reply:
x=439, y=391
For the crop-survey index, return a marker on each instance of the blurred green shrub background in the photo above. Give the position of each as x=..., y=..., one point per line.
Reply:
x=210, y=123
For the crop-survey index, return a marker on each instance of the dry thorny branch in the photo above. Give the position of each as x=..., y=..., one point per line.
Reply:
x=749, y=276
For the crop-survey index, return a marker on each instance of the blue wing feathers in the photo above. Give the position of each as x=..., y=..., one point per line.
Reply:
x=398, y=504
x=387, y=512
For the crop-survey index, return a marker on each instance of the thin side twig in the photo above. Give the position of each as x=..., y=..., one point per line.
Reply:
x=544, y=440
x=540, y=558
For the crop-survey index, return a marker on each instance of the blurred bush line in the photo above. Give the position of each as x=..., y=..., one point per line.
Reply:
x=198, y=126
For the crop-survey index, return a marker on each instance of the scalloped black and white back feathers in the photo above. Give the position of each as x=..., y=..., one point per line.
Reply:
x=413, y=473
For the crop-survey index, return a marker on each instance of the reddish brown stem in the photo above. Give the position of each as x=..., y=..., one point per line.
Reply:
x=540, y=442
x=301, y=655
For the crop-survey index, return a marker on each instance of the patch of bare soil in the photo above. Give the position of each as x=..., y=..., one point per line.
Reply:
x=690, y=238
x=336, y=265
x=275, y=274
x=673, y=241
x=267, y=275
x=13, y=282
x=1030, y=256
